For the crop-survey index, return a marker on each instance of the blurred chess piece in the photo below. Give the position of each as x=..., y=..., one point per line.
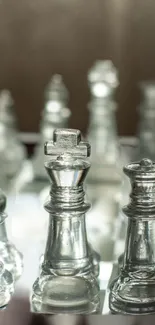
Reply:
x=12, y=152
x=6, y=275
x=67, y=283
x=104, y=179
x=133, y=291
x=146, y=132
x=12, y=258
x=55, y=115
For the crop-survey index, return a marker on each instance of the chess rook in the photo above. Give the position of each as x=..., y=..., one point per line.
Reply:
x=133, y=292
x=67, y=283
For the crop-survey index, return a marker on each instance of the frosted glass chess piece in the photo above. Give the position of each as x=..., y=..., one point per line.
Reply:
x=12, y=258
x=55, y=115
x=12, y=152
x=104, y=179
x=146, y=132
x=133, y=292
x=67, y=283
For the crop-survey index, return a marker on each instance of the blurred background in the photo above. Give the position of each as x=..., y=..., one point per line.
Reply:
x=39, y=38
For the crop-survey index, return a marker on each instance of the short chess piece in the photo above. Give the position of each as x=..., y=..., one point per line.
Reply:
x=11, y=257
x=12, y=152
x=55, y=115
x=67, y=283
x=133, y=292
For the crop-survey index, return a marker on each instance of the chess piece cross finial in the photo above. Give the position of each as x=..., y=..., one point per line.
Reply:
x=67, y=141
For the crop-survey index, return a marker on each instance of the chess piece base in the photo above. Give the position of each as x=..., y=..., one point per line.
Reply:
x=133, y=294
x=61, y=294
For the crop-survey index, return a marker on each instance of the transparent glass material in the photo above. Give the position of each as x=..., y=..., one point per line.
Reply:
x=133, y=292
x=67, y=283
x=12, y=152
x=11, y=257
x=146, y=130
x=104, y=178
x=55, y=115
x=102, y=220
x=6, y=286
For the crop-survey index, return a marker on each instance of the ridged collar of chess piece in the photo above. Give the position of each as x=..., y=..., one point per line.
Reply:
x=142, y=197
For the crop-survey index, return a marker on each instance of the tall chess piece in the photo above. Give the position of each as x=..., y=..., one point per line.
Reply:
x=133, y=292
x=11, y=159
x=12, y=258
x=147, y=121
x=67, y=283
x=55, y=115
x=104, y=179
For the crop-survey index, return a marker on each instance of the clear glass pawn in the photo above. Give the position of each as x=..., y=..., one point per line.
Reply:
x=104, y=179
x=146, y=132
x=11, y=257
x=133, y=291
x=67, y=283
x=55, y=115
x=12, y=152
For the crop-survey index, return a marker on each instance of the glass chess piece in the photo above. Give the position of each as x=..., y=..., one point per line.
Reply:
x=133, y=291
x=12, y=258
x=67, y=283
x=104, y=179
x=6, y=286
x=146, y=132
x=12, y=152
x=55, y=115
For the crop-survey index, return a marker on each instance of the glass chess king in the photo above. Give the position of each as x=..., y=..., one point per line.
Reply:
x=67, y=283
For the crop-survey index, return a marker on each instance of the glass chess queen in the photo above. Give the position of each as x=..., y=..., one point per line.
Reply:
x=133, y=291
x=67, y=283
